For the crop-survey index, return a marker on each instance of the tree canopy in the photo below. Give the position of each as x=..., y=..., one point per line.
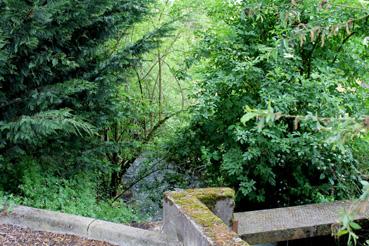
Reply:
x=278, y=80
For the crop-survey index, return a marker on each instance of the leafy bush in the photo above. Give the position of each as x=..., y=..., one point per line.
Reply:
x=7, y=202
x=75, y=195
x=299, y=59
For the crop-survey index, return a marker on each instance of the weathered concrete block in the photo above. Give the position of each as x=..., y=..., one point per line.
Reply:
x=283, y=224
x=224, y=210
x=177, y=226
x=126, y=235
x=219, y=200
x=188, y=220
x=44, y=220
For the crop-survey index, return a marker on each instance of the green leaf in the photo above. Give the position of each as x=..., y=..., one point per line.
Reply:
x=247, y=117
x=355, y=226
x=342, y=233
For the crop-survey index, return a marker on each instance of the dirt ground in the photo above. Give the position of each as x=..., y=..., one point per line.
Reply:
x=17, y=236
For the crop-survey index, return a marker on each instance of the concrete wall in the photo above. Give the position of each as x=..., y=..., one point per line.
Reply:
x=298, y=222
x=224, y=210
x=180, y=227
x=43, y=220
x=188, y=220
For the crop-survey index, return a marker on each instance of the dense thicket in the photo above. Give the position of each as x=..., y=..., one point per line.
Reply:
x=279, y=88
x=61, y=66
x=305, y=60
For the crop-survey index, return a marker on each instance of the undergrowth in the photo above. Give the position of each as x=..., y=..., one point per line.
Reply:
x=74, y=195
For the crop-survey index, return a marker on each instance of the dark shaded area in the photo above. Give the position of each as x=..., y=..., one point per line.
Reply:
x=328, y=240
x=324, y=241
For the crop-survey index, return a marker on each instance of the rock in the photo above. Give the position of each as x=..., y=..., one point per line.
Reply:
x=155, y=176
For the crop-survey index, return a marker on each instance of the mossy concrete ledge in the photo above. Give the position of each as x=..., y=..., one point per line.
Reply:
x=201, y=217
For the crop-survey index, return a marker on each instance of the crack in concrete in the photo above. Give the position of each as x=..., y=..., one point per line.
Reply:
x=89, y=225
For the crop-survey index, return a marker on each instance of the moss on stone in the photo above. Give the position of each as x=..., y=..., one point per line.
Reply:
x=196, y=203
x=210, y=196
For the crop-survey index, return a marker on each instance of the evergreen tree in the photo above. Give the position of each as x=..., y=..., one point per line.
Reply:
x=61, y=65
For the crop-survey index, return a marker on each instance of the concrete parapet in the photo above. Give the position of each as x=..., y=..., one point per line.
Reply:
x=201, y=217
x=298, y=222
x=43, y=220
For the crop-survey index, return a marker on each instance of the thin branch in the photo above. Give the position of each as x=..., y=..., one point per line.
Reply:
x=167, y=52
x=154, y=87
x=341, y=46
x=17, y=100
x=139, y=84
x=343, y=6
x=364, y=118
x=311, y=56
x=159, y=124
x=134, y=183
x=160, y=81
x=178, y=83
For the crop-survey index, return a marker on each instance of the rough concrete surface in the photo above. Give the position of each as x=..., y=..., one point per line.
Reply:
x=43, y=220
x=224, y=210
x=182, y=228
x=282, y=224
x=188, y=220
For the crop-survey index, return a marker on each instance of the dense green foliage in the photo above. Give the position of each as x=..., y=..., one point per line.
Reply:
x=290, y=70
x=75, y=195
x=62, y=64
x=269, y=97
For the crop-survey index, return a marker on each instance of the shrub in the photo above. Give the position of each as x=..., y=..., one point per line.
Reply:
x=75, y=195
x=278, y=56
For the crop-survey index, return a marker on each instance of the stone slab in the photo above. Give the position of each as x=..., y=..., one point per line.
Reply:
x=282, y=224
